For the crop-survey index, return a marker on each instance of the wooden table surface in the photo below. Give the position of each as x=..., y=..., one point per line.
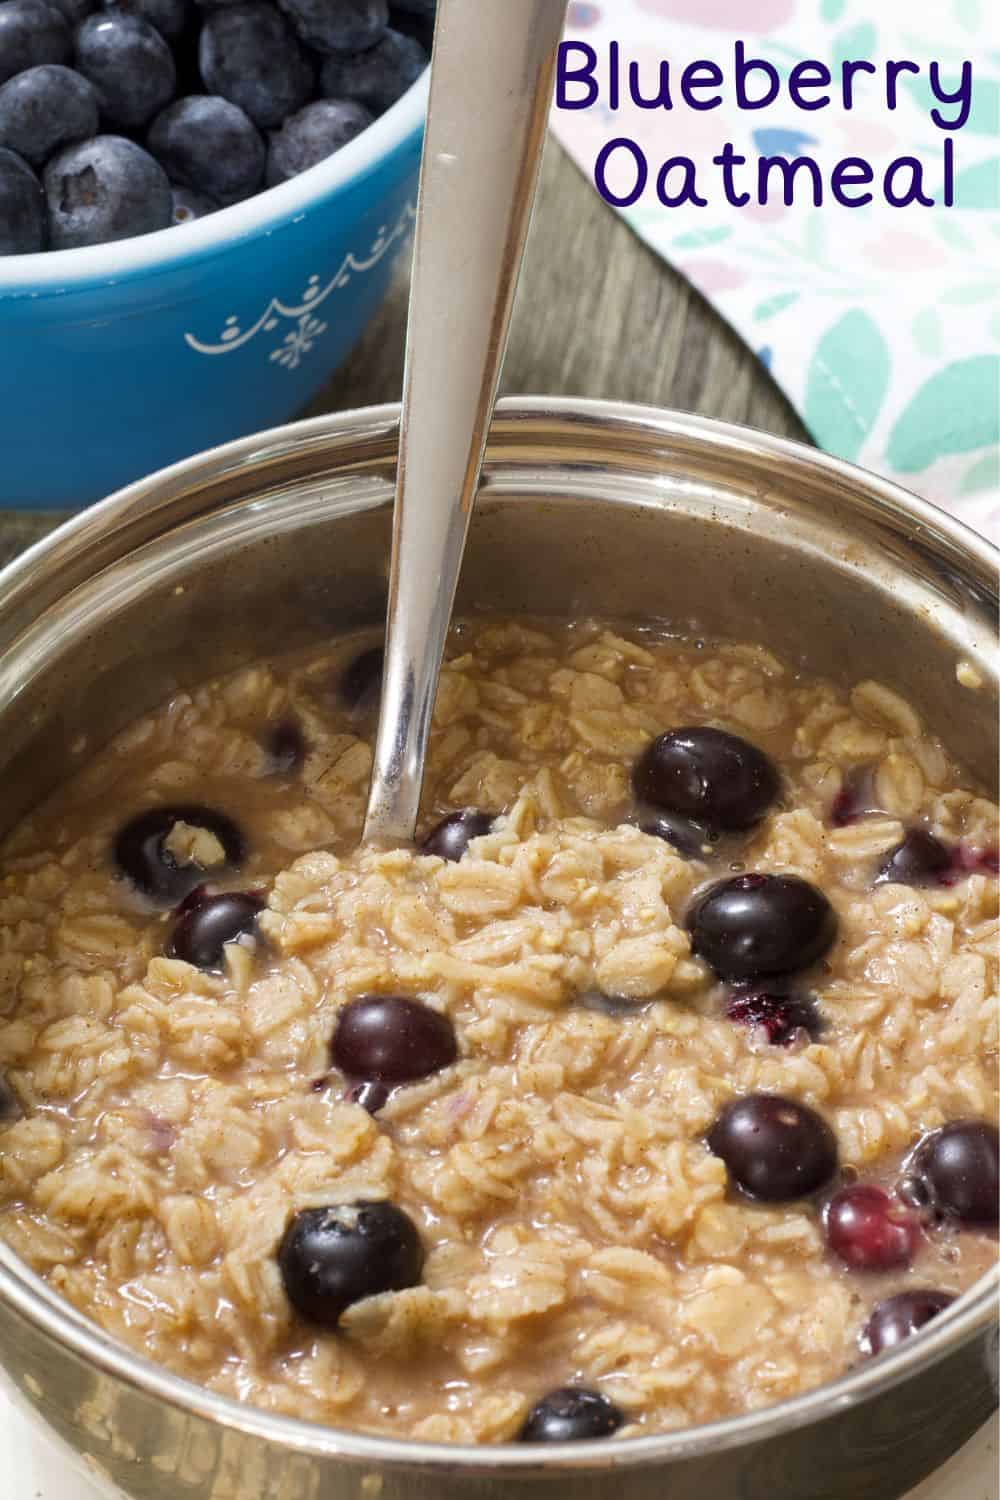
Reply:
x=597, y=315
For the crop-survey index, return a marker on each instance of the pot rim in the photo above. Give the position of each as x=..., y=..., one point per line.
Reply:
x=35, y=1301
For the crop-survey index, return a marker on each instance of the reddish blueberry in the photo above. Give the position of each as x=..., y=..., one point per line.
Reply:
x=898, y=1317
x=958, y=1168
x=332, y=1257
x=754, y=925
x=450, y=838
x=392, y=1039
x=774, y=1148
x=870, y=1231
x=141, y=853
x=203, y=930
x=781, y=1017
x=855, y=799
x=570, y=1415
x=708, y=775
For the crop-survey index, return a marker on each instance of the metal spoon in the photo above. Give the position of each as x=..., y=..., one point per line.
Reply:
x=491, y=84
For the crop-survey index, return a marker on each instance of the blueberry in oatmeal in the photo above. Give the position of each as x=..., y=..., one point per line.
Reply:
x=693, y=840
x=571, y=1415
x=782, y=1017
x=334, y=1256
x=450, y=838
x=361, y=680
x=392, y=1039
x=918, y=859
x=166, y=851
x=774, y=1148
x=869, y=1231
x=286, y=747
x=754, y=925
x=200, y=935
x=709, y=775
x=899, y=1317
x=958, y=1166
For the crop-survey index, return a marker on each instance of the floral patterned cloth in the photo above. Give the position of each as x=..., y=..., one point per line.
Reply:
x=881, y=324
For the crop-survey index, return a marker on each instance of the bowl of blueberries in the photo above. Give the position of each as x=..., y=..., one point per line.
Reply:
x=200, y=206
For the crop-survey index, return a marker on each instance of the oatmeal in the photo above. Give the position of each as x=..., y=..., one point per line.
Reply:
x=656, y=1084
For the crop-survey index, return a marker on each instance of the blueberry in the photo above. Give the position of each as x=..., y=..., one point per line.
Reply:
x=332, y=1257
x=31, y=33
x=312, y=135
x=202, y=932
x=142, y=854
x=392, y=1039
x=73, y=11
x=958, y=1168
x=208, y=144
x=10, y=1104
x=45, y=108
x=774, y=1148
x=870, y=1231
x=450, y=838
x=376, y=78
x=898, y=1317
x=780, y=1016
x=919, y=859
x=754, y=925
x=22, y=207
x=338, y=25
x=855, y=799
x=370, y=1094
x=287, y=748
x=129, y=64
x=610, y=1005
x=683, y=834
x=168, y=17
x=706, y=774
x=105, y=189
x=188, y=205
x=249, y=55
x=361, y=681
x=571, y=1415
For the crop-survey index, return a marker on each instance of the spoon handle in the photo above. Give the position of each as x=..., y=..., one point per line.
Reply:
x=491, y=85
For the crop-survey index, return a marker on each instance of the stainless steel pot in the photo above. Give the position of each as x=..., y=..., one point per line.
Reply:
x=282, y=540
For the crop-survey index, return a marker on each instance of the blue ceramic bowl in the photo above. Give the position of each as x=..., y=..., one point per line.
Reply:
x=118, y=359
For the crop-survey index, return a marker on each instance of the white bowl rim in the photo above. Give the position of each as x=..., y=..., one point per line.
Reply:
x=69, y=270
